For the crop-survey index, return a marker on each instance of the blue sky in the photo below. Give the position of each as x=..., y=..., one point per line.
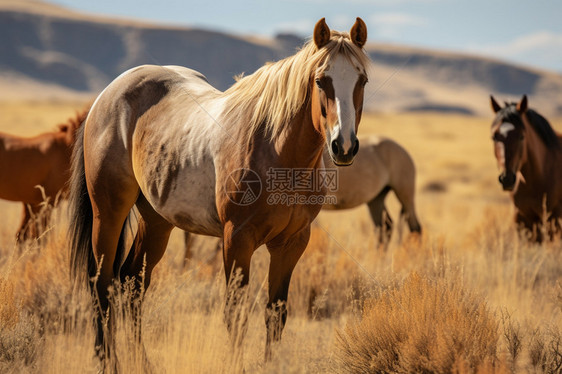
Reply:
x=527, y=32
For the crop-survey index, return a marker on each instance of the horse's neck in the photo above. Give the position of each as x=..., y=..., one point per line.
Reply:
x=535, y=168
x=300, y=145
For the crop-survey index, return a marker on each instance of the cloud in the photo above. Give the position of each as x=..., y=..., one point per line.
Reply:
x=539, y=48
x=390, y=25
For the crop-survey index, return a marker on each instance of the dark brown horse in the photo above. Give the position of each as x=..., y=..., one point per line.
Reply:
x=34, y=169
x=529, y=155
x=187, y=155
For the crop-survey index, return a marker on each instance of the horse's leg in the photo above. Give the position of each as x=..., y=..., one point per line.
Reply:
x=35, y=223
x=405, y=193
x=555, y=226
x=380, y=216
x=188, y=243
x=238, y=246
x=215, y=258
x=284, y=257
x=110, y=211
x=149, y=244
x=45, y=218
x=41, y=218
x=21, y=234
x=527, y=228
x=147, y=250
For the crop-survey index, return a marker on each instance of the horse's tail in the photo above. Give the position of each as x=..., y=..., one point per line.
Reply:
x=82, y=261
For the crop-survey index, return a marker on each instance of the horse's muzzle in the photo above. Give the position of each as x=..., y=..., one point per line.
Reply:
x=339, y=156
x=507, y=180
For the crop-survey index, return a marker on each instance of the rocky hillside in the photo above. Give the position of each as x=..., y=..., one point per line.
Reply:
x=52, y=52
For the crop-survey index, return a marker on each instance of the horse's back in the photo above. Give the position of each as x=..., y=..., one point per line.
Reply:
x=390, y=148
x=145, y=86
x=396, y=158
x=27, y=162
x=153, y=126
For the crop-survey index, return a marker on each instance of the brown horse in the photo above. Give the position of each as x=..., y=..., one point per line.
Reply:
x=381, y=166
x=529, y=155
x=34, y=169
x=187, y=155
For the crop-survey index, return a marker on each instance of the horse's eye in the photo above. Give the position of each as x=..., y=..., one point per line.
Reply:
x=496, y=137
x=319, y=83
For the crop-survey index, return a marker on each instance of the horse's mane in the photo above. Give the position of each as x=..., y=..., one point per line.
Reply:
x=541, y=126
x=544, y=129
x=76, y=121
x=275, y=92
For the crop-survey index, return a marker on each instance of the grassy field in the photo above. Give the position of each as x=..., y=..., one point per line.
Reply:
x=469, y=296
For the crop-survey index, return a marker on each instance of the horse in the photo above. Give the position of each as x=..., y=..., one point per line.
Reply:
x=35, y=170
x=381, y=166
x=184, y=154
x=529, y=154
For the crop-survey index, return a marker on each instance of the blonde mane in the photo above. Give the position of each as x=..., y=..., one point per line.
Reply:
x=276, y=91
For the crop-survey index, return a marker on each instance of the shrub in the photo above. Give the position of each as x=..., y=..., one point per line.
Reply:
x=422, y=326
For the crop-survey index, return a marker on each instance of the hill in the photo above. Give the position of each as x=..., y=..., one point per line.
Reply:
x=52, y=52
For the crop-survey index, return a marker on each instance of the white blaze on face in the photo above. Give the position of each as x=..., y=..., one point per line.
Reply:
x=344, y=76
x=505, y=128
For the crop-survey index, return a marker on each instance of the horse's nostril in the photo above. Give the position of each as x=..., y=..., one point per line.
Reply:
x=356, y=147
x=511, y=179
x=335, y=148
x=507, y=179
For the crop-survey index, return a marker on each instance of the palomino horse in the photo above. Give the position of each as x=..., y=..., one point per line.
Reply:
x=381, y=166
x=529, y=155
x=29, y=164
x=187, y=155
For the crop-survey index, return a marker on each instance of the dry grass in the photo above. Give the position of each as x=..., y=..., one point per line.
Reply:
x=469, y=296
x=422, y=326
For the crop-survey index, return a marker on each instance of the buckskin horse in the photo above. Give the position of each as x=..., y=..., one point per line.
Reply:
x=529, y=155
x=34, y=170
x=161, y=138
x=382, y=166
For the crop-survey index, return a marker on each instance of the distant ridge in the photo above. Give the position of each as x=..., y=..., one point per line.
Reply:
x=49, y=52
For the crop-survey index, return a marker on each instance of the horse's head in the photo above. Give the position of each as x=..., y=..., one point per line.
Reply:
x=337, y=88
x=508, y=134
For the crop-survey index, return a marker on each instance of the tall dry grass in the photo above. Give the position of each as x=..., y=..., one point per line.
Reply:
x=424, y=325
x=475, y=295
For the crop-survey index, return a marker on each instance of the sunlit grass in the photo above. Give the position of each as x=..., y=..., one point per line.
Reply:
x=468, y=276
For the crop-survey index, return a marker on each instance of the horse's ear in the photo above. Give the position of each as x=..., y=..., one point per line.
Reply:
x=358, y=33
x=495, y=106
x=321, y=33
x=522, y=106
